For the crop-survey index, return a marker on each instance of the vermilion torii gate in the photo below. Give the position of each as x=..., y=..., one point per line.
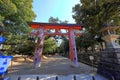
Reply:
x=41, y=31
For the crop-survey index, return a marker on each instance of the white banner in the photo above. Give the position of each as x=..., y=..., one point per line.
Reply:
x=4, y=63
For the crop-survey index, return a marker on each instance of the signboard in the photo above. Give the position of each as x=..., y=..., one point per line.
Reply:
x=4, y=63
x=2, y=39
x=91, y=57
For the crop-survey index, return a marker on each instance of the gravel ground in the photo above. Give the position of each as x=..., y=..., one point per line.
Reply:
x=52, y=65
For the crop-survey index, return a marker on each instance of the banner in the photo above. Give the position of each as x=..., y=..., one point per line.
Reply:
x=4, y=63
x=2, y=39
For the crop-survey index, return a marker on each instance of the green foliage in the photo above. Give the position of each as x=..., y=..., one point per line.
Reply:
x=7, y=8
x=64, y=47
x=56, y=20
x=15, y=14
x=53, y=20
x=19, y=44
x=85, y=41
x=50, y=45
x=55, y=38
x=27, y=48
x=94, y=14
x=24, y=10
x=65, y=44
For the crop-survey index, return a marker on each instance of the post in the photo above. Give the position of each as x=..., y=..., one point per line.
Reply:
x=11, y=64
x=19, y=78
x=56, y=78
x=37, y=78
x=1, y=76
x=91, y=59
x=72, y=47
x=74, y=77
x=39, y=48
x=93, y=78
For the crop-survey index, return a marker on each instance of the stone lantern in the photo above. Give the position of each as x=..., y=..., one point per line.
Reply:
x=109, y=65
x=110, y=36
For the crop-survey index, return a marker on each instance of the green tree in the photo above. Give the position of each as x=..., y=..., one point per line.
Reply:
x=65, y=46
x=15, y=14
x=97, y=12
x=25, y=48
x=7, y=8
x=53, y=20
x=93, y=14
x=50, y=45
x=85, y=41
x=56, y=20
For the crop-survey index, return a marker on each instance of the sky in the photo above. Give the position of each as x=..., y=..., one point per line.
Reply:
x=44, y=9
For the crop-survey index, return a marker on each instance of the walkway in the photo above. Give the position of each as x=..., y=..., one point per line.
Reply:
x=50, y=68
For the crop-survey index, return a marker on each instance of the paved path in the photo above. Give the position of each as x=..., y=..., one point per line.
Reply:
x=50, y=68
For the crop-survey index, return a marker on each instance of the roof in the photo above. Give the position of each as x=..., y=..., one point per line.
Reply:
x=109, y=28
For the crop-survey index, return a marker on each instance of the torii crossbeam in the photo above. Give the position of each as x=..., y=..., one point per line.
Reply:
x=41, y=31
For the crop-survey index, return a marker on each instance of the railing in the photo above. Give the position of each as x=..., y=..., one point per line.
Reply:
x=74, y=77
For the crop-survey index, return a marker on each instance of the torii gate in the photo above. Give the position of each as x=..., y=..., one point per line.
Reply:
x=41, y=31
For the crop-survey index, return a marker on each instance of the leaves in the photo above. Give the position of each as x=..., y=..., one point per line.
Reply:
x=94, y=14
x=56, y=20
x=49, y=45
x=15, y=14
x=7, y=7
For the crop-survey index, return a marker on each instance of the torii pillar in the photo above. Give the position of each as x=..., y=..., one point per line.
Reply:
x=39, y=48
x=72, y=48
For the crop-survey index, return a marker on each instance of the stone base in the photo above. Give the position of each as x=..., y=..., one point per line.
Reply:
x=109, y=65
